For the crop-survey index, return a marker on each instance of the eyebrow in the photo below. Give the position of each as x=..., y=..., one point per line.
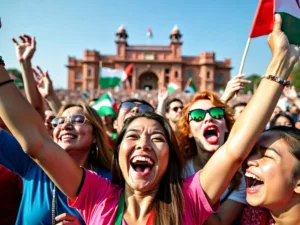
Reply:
x=138, y=130
x=271, y=149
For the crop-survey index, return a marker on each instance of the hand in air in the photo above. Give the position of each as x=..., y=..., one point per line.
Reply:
x=44, y=83
x=25, y=50
x=233, y=87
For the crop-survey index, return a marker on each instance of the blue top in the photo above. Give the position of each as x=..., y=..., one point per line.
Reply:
x=35, y=206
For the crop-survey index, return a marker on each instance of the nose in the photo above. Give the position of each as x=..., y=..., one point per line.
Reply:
x=253, y=160
x=143, y=144
x=208, y=118
x=66, y=125
x=135, y=109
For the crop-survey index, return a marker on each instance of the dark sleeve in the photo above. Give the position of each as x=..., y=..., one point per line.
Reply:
x=12, y=156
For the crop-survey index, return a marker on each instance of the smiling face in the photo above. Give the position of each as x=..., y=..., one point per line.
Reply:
x=74, y=138
x=209, y=133
x=269, y=173
x=143, y=154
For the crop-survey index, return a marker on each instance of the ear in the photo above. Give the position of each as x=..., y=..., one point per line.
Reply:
x=167, y=115
x=297, y=187
x=115, y=125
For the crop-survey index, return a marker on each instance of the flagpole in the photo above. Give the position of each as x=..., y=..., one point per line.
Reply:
x=99, y=77
x=244, y=56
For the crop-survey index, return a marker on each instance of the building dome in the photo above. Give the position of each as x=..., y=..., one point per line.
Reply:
x=175, y=33
x=121, y=33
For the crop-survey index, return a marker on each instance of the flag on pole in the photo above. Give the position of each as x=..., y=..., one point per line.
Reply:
x=149, y=33
x=172, y=87
x=106, y=105
x=290, y=14
x=86, y=94
x=110, y=78
x=190, y=87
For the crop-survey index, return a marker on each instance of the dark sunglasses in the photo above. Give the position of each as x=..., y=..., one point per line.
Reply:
x=74, y=120
x=176, y=108
x=199, y=114
x=127, y=106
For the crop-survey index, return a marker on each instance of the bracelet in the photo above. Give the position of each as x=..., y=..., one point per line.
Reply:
x=278, y=80
x=6, y=82
x=1, y=61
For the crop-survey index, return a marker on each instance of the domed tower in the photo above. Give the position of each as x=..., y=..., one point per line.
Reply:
x=121, y=41
x=121, y=33
x=176, y=43
x=175, y=35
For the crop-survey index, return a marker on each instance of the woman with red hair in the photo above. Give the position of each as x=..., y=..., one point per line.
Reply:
x=202, y=129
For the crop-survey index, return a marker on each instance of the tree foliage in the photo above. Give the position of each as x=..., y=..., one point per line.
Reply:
x=17, y=74
x=296, y=76
x=255, y=80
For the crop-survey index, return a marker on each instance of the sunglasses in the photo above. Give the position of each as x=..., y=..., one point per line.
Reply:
x=175, y=109
x=199, y=114
x=127, y=106
x=74, y=120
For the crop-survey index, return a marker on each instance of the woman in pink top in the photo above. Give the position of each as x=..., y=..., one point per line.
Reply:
x=146, y=162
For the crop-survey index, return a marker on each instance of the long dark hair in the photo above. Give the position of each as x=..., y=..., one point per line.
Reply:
x=291, y=137
x=168, y=202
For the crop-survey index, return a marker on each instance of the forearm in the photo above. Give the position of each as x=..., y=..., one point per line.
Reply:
x=161, y=108
x=19, y=116
x=31, y=91
x=53, y=102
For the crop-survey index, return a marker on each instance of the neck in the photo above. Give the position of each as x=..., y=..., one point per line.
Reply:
x=201, y=158
x=81, y=158
x=288, y=215
x=138, y=204
x=173, y=125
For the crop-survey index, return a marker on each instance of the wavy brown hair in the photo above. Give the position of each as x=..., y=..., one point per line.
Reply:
x=188, y=145
x=100, y=154
x=168, y=203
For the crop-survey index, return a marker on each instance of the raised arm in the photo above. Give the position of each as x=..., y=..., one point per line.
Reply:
x=161, y=97
x=46, y=90
x=220, y=169
x=31, y=133
x=25, y=52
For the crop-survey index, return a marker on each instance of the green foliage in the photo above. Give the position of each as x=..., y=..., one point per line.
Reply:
x=296, y=76
x=255, y=80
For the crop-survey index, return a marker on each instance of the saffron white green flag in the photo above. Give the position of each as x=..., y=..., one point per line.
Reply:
x=190, y=87
x=111, y=77
x=105, y=105
x=172, y=87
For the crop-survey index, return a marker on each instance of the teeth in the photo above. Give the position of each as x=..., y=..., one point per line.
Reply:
x=67, y=136
x=252, y=176
x=211, y=128
x=141, y=158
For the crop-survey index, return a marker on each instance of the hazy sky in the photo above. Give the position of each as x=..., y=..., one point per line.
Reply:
x=65, y=28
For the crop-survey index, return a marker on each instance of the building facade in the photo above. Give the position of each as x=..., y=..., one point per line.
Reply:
x=154, y=66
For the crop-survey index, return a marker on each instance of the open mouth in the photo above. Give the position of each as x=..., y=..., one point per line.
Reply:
x=142, y=164
x=66, y=137
x=211, y=134
x=253, y=182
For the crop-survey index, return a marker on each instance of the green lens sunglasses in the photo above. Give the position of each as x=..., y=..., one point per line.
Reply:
x=199, y=114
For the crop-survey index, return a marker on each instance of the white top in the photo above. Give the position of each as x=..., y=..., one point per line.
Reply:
x=236, y=195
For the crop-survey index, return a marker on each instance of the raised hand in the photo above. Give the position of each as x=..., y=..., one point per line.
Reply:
x=162, y=94
x=44, y=83
x=26, y=49
x=290, y=92
x=66, y=218
x=233, y=87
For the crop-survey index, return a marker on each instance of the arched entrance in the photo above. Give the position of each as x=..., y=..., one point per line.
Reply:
x=148, y=81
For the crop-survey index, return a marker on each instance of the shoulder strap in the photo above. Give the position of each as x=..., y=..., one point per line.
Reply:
x=120, y=212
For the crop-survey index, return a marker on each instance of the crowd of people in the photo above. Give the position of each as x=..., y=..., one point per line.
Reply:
x=209, y=158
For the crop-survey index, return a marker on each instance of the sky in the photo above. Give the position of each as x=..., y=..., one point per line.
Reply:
x=66, y=28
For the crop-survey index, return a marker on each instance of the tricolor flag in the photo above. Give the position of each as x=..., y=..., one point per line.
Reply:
x=290, y=14
x=149, y=33
x=18, y=82
x=172, y=87
x=106, y=105
x=110, y=78
x=190, y=87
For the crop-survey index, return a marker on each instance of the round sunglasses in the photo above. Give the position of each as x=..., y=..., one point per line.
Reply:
x=127, y=106
x=74, y=120
x=199, y=114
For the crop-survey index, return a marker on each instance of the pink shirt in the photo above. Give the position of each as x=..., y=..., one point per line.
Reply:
x=98, y=201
